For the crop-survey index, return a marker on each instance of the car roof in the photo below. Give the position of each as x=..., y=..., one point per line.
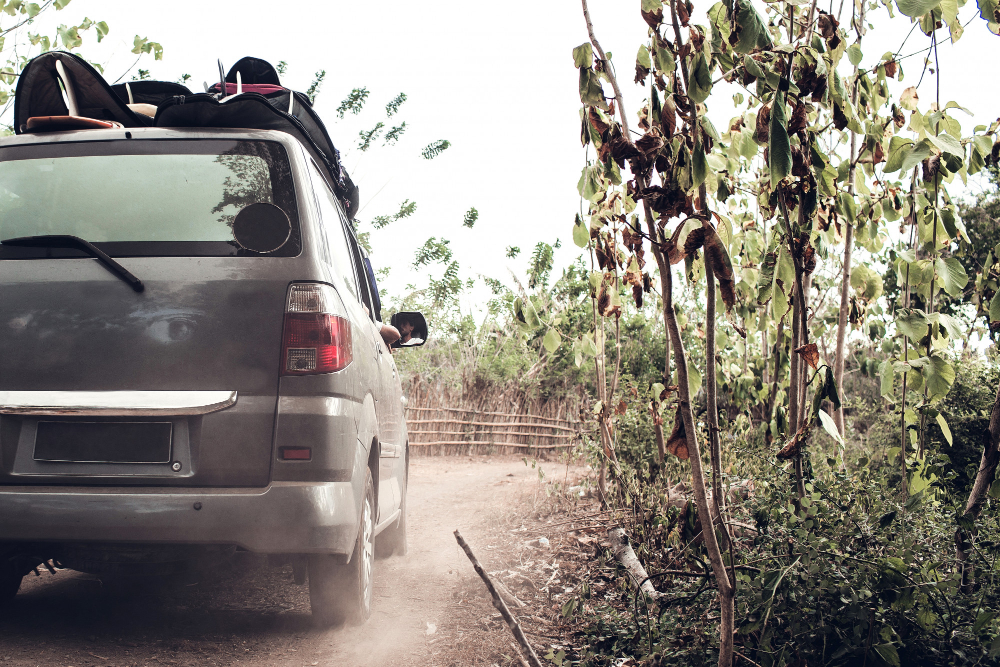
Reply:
x=118, y=134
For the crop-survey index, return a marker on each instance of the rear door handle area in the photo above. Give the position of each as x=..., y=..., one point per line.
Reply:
x=387, y=451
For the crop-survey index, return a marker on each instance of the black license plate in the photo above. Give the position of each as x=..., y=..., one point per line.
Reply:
x=103, y=442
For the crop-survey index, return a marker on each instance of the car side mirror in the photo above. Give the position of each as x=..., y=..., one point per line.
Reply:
x=412, y=328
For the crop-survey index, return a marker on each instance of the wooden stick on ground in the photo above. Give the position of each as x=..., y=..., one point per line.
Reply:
x=498, y=603
x=626, y=556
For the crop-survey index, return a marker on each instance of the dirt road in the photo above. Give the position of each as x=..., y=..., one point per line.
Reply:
x=254, y=615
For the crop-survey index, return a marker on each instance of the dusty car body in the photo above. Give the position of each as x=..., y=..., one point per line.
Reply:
x=242, y=400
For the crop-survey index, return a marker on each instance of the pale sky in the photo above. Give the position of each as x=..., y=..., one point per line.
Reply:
x=495, y=79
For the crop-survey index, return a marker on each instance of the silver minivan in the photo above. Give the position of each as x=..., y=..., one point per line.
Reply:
x=192, y=363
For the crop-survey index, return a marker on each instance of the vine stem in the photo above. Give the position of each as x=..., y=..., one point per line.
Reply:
x=845, y=285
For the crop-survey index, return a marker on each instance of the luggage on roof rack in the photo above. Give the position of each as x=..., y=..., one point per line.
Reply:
x=253, y=99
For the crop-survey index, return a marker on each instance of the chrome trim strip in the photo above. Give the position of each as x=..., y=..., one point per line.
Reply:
x=115, y=403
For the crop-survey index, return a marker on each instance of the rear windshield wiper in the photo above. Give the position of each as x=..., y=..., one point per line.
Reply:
x=67, y=241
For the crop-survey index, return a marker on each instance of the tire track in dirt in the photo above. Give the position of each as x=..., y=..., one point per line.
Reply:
x=254, y=615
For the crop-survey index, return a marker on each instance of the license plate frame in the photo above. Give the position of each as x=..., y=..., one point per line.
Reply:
x=117, y=442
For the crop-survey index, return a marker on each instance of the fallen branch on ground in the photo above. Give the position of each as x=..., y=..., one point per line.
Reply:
x=626, y=556
x=498, y=603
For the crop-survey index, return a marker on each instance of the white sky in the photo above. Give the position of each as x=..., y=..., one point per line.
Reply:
x=495, y=79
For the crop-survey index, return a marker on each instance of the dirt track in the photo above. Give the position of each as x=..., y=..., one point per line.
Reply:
x=254, y=615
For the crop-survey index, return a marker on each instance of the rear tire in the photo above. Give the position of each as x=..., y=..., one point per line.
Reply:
x=342, y=593
x=10, y=581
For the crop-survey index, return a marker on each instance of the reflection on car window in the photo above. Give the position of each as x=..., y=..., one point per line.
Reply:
x=340, y=253
x=187, y=196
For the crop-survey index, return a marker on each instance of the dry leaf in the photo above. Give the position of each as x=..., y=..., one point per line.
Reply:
x=810, y=353
x=763, y=131
x=794, y=446
x=677, y=442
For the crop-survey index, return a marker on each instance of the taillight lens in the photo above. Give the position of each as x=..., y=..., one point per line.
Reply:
x=317, y=335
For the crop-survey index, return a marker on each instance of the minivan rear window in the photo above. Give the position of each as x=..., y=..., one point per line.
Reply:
x=142, y=197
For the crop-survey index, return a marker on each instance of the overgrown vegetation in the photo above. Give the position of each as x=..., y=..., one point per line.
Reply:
x=797, y=425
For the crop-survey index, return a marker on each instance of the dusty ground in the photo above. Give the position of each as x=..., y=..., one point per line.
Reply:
x=430, y=608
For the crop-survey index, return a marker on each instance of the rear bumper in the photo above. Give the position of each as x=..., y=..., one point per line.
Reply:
x=286, y=517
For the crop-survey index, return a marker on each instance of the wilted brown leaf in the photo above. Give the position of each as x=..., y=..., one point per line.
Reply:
x=810, y=354
x=653, y=19
x=839, y=118
x=669, y=200
x=763, y=130
x=648, y=144
x=640, y=74
x=684, y=10
x=800, y=167
x=794, y=446
x=668, y=116
x=677, y=442
x=637, y=295
x=695, y=240
x=879, y=155
x=826, y=24
x=890, y=69
x=798, y=121
x=931, y=166
x=621, y=408
x=597, y=122
x=828, y=29
x=722, y=267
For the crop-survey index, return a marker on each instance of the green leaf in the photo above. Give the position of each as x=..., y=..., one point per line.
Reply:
x=982, y=619
x=854, y=54
x=551, y=340
x=694, y=380
x=915, y=155
x=944, y=427
x=581, y=236
x=61, y=3
x=699, y=167
x=886, y=376
x=866, y=282
x=898, y=148
x=651, y=5
x=951, y=326
x=947, y=144
x=952, y=274
x=830, y=426
x=750, y=27
x=765, y=279
x=583, y=55
x=988, y=11
x=642, y=58
x=888, y=652
x=779, y=147
x=753, y=67
x=665, y=61
x=912, y=324
x=886, y=519
x=591, y=92
x=916, y=9
x=995, y=307
x=940, y=375
x=701, y=79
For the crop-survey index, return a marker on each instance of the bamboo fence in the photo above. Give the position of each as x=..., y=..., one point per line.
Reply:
x=441, y=423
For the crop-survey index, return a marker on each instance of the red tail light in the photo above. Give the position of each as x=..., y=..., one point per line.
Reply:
x=317, y=335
